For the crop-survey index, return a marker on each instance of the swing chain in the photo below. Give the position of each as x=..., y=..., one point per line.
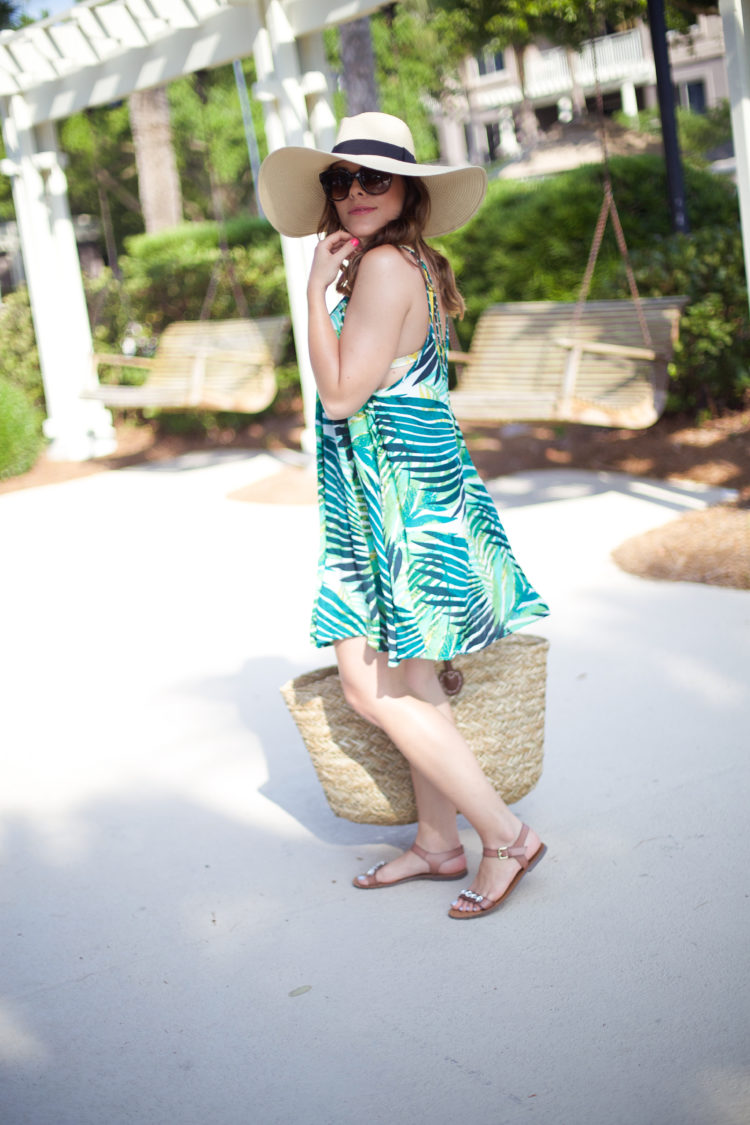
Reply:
x=608, y=208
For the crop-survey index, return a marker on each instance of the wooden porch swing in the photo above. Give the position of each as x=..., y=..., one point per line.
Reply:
x=203, y=365
x=226, y=365
x=601, y=363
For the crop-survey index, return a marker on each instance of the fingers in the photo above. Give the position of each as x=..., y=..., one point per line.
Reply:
x=330, y=254
x=339, y=243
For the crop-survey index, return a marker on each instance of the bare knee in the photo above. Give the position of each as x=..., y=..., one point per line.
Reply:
x=359, y=697
x=367, y=681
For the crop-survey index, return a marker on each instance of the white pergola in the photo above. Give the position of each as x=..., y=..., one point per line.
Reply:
x=98, y=52
x=102, y=50
x=735, y=15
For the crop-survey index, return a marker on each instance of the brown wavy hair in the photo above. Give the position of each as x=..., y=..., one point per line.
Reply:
x=406, y=230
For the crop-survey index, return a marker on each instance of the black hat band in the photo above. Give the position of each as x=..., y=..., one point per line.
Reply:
x=375, y=148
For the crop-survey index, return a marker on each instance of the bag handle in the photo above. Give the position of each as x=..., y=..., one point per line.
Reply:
x=451, y=680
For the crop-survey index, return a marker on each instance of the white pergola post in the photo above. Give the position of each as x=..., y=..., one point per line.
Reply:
x=319, y=97
x=77, y=429
x=281, y=88
x=735, y=15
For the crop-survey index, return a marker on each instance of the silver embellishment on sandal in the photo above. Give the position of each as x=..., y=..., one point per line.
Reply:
x=472, y=895
x=376, y=867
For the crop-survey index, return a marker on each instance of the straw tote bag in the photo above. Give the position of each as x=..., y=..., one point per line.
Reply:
x=499, y=708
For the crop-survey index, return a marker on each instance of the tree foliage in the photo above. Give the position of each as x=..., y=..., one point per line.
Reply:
x=481, y=22
x=518, y=23
x=9, y=14
x=101, y=159
x=409, y=55
x=209, y=137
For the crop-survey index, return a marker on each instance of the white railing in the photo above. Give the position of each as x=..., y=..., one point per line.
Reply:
x=548, y=73
x=617, y=56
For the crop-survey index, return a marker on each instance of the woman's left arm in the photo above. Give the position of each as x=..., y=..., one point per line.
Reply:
x=350, y=368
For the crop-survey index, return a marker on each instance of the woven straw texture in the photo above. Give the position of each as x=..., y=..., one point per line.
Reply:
x=500, y=711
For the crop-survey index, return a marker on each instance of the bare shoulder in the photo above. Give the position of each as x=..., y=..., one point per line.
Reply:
x=387, y=265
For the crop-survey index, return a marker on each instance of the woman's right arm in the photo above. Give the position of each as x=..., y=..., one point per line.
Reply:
x=349, y=369
x=323, y=342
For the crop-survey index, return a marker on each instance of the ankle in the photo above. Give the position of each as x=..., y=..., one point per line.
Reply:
x=434, y=844
x=503, y=835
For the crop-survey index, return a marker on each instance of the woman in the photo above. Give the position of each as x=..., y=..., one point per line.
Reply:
x=415, y=566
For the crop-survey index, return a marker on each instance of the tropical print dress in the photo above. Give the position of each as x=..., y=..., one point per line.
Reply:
x=413, y=555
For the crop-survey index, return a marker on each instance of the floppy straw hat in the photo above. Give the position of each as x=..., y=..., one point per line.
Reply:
x=293, y=199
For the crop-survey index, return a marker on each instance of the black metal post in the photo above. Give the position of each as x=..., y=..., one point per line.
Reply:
x=675, y=178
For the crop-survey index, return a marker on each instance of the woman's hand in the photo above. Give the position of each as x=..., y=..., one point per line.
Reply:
x=329, y=256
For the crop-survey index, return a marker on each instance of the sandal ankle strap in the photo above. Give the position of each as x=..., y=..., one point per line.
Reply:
x=437, y=859
x=516, y=850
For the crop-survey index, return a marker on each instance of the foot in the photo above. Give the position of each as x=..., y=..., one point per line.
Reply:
x=416, y=863
x=497, y=877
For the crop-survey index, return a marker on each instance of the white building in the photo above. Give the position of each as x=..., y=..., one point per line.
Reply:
x=481, y=121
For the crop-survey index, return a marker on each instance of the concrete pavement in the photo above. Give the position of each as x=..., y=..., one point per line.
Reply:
x=181, y=943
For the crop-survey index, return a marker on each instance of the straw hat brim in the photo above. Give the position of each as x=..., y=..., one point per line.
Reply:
x=293, y=200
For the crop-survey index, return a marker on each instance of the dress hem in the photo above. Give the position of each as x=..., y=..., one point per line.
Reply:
x=458, y=650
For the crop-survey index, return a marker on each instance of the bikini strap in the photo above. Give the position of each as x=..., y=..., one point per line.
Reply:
x=434, y=308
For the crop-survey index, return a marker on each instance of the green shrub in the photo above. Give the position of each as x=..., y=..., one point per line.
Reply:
x=711, y=368
x=20, y=430
x=19, y=359
x=698, y=133
x=530, y=241
x=111, y=314
x=170, y=245
x=701, y=133
x=166, y=277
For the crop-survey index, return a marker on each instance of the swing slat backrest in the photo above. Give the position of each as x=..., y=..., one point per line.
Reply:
x=528, y=363
x=204, y=365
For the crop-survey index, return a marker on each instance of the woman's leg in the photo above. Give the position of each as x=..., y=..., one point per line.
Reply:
x=436, y=814
x=435, y=749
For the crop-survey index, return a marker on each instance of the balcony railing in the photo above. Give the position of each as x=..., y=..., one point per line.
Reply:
x=619, y=58
x=548, y=73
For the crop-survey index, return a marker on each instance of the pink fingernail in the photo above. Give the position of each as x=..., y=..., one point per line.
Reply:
x=355, y=242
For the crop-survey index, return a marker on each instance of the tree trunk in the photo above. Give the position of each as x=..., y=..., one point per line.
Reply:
x=358, y=63
x=158, y=180
x=529, y=125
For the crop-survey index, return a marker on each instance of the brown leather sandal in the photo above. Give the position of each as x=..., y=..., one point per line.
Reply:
x=516, y=851
x=434, y=859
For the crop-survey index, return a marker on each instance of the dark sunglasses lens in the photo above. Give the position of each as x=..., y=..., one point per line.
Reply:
x=374, y=183
x=336, y=184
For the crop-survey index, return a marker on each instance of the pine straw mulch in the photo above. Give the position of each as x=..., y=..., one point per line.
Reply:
x=710, y=546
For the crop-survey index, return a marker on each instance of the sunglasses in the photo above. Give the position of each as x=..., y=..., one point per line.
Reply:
x=337, y=182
